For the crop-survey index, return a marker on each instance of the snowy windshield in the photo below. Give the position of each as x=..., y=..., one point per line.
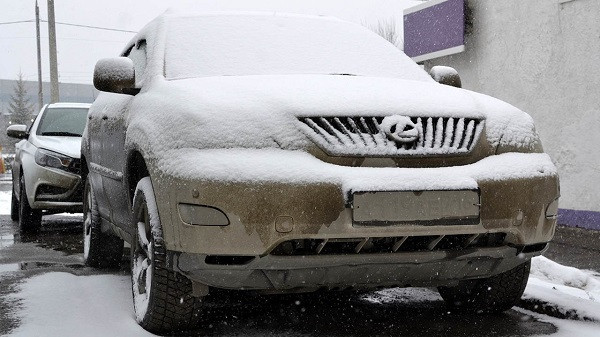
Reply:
x=63, y=122
x=273, y=45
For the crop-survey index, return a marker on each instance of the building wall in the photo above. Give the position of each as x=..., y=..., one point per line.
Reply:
x=69, y=92
x=543, y=56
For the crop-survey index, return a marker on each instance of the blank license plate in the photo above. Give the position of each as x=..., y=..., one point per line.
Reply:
x=419, y=207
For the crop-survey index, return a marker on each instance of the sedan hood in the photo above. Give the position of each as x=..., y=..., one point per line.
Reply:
x=70, y=146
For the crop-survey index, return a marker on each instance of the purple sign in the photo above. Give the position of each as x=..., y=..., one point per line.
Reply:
x=581, y=219
x=433, y=29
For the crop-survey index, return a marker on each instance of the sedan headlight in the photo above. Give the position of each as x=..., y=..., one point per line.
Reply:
x=53, y=159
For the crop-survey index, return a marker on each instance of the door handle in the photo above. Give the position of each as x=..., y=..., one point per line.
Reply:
x=105, y=117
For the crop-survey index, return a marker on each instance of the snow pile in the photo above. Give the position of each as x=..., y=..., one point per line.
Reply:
x=566, y=291
x=5, y=201
x=546, y=269
x=61, y=304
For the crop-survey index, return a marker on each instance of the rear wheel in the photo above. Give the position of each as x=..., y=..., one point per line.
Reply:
x=100, y=250
x=30, y=220
x=162, y=298
x=14, y=206
x=490, y=295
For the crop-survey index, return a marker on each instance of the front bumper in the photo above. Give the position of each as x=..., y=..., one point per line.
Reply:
x=259, y=190
x=53, y=189
x=417, y=269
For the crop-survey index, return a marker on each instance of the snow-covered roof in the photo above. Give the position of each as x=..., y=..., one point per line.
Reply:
x=177, y=13
x=185, y=45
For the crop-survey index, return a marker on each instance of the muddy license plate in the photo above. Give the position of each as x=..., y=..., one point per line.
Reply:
x=416, y=207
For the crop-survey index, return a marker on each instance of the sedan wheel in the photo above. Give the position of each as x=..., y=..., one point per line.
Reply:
x=14, y=205
x=30, y=220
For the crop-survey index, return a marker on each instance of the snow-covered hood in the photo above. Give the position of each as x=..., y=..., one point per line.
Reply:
x=70, y=146
x=262, y=111
x=327, y=95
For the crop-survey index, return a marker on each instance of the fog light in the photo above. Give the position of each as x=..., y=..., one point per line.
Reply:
x=202, y=215
x=552, y=210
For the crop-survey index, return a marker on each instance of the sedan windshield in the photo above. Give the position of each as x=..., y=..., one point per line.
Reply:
x=233, y=45
x=68, y=122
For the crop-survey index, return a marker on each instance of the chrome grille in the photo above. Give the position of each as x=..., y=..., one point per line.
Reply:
x=364, y=136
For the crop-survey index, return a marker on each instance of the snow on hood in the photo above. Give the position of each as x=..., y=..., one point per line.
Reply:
x=70, y=146
x=262, y=111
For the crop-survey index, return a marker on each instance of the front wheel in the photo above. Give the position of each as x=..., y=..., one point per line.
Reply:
x=14, y=205
x=30, y=220
x=489, y=295
x=162, y=298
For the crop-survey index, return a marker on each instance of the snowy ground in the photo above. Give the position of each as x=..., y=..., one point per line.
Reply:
x=5, y=202
x=47, y=305
x=63, y=304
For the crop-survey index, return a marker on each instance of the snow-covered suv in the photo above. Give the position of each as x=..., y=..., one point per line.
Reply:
x=292, y=153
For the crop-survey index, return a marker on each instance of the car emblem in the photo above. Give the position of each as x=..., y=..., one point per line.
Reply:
x=400, y=129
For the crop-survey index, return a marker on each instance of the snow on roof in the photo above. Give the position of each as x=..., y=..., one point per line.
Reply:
x=177, y=13
x=268, y=43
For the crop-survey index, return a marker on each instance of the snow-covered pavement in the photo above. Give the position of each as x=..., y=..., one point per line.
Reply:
x=62, y=304
x=5, y=202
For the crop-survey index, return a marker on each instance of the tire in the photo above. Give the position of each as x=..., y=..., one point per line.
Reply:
x=14, y=206
x=490, y=295
x=162, y=298
x=30, y=220
x=100, y=250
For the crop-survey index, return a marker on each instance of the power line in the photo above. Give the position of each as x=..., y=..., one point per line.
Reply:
x=61, y=38
x=73, y=25
x=12, y=22
x=92, y=27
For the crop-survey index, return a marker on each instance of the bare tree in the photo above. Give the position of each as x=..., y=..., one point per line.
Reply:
x=388, y=29
x=20, y=108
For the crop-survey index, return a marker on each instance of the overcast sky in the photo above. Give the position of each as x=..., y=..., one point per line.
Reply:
x=80, y=48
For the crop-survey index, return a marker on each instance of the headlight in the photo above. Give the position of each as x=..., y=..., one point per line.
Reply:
x=520, y=136
x=53, y=159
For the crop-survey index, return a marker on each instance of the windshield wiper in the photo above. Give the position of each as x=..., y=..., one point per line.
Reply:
x=60, y=133
x=342, y=74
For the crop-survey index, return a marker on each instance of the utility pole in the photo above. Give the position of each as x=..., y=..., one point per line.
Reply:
x=39, y=56
x=54, y=94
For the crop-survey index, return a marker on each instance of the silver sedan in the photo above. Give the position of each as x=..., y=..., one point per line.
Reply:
x=46, y=170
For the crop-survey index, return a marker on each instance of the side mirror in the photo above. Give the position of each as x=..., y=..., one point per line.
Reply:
x=115, y=74
x=446, y=75
x=18, y=131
